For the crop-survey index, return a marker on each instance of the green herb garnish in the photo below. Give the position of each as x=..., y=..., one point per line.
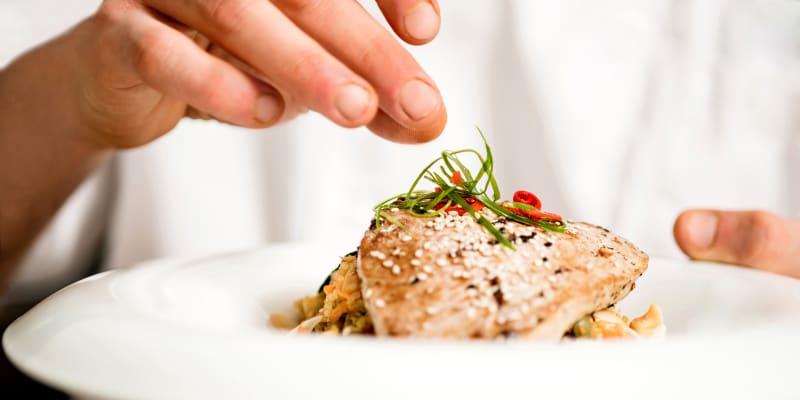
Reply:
x=455, y=185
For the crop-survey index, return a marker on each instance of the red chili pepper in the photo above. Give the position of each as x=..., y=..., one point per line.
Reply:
x=456, y=178
x=437, y=189
x=535, y=214
x=515, y=211
x=476, y=205
x=457, y=209
x=526, y=197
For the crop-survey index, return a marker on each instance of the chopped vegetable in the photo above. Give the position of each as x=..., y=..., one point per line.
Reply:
x=526, y=197
x=458, y=190
x=328, y=279
x=456, y=179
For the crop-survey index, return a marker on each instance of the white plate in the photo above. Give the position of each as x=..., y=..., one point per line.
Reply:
x=197, y=329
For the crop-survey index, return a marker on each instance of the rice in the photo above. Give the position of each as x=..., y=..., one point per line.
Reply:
x=339, y=304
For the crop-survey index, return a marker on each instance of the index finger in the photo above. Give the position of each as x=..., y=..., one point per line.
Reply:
x=259, y=34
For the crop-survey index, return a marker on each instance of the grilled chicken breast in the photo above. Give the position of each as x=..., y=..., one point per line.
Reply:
x=449, y=277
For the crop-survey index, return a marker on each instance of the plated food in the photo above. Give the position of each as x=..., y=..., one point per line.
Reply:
x=456, y=261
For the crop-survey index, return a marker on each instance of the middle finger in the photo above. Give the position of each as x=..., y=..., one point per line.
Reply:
x=348, y=32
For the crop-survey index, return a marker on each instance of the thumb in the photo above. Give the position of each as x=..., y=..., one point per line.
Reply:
x=756, y=239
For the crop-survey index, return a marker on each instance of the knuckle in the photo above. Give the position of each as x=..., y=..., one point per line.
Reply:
x=152, y=53
x=373, y=52
x=114, y=12
x=298, y=6
x=225, y=16
x=763, y=238
x=307, y=66
x=214, y=98
x=109, y=12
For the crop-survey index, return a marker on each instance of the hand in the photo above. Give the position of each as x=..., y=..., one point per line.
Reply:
x=148, y=63
x=756, y=239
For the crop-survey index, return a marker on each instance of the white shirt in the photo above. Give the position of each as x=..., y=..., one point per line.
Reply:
x=618, y=112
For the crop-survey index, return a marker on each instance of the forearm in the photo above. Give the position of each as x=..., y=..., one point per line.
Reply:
x=45, y=152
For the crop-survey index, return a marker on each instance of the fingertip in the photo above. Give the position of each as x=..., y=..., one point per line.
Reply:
x=421, y=23
x=695, y=231
x=678, y=232
x=416, y=22
x=386, y=127
x=355, y=105
x=268, y=109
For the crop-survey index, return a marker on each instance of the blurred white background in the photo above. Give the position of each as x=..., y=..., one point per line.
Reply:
x=618, y=112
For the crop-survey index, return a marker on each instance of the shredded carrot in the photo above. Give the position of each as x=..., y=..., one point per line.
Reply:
x=456, y=179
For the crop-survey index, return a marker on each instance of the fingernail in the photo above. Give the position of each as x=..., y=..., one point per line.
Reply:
x=418, y=99
x=422, y=22
x=702, y=228
x=268, y=108
x=351, y=101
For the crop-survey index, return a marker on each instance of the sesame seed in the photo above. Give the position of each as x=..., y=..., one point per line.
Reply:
x=380, y=303
x=428, y=269
x=501, y=320
x=368, y=293
x=394, y=209
x=416, y=262
x=471, y=313
x=377, y=254
x=441, y=262
x=422, y=276
x=388, y=263
x=406, y=238
x=418, y=253
x=431, y=310
x=396, y=270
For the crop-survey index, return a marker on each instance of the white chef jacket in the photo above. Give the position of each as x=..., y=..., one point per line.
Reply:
x=618, y=112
